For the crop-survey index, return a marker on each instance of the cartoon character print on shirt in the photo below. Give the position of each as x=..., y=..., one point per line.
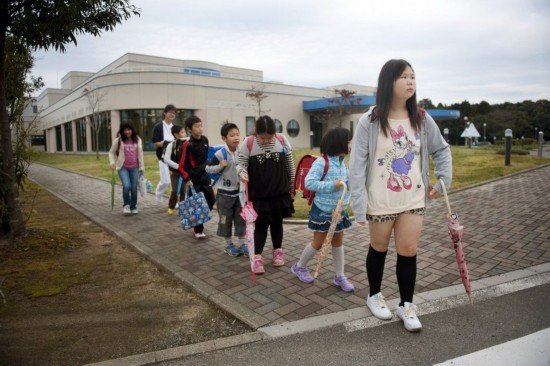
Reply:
x=399, y=159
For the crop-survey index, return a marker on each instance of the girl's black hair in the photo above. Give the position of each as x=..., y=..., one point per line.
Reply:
x=265, y=124
x=176, y=129
x=190, y=121
x=226, y=127
x=335, y=141
x=391, y=71
x=123, y=136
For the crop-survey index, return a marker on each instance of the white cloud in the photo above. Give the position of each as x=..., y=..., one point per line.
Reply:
x=461, y=50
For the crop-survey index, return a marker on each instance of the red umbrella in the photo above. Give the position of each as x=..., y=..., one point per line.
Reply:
x=249, y=215
x=455, y=232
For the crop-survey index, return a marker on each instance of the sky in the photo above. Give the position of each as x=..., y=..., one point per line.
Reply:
x=461, y=50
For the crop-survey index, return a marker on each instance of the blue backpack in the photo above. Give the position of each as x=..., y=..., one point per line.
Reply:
x=210, y=155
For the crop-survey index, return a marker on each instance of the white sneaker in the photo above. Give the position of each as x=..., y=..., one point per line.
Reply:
x=377, y=306
x=200, y=236
x=126, y=210
x=407, y=313
x=135, y=211
x=159, y=198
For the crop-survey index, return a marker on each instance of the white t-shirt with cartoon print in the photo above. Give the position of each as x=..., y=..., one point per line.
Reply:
x=395, y=182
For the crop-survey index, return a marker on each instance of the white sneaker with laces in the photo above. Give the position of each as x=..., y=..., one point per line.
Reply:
x=407, y=313
x=126, y=210
x=135, y=211
x=377, y=306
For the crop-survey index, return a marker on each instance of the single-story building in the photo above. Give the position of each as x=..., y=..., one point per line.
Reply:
x=135, y=88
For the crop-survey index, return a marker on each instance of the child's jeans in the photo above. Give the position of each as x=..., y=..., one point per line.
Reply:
x=129, y=179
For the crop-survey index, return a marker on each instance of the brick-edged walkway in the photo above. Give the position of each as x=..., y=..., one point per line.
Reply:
x=506, y=225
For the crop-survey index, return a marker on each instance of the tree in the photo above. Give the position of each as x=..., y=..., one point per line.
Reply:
x=257, y=94
x=95, y=97
x=44, y=24
x=19, y=91
x=426, y=103
x=343, y=98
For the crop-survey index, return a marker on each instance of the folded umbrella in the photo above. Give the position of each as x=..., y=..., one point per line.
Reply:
x=455, y=232
x=113, y=182
x=249, y=215
x=336, y=218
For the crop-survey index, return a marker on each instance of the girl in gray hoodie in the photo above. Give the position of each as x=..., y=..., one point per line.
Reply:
x=389, y=182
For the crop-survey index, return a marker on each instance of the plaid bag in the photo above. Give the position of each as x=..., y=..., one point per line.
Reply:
x=193, y=209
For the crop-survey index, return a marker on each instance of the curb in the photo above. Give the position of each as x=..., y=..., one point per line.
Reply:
x=355, y=319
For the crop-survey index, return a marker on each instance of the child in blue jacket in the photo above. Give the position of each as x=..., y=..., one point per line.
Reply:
x=335, y=146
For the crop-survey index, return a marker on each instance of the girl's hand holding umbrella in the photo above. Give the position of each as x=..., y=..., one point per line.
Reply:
x=244, y=177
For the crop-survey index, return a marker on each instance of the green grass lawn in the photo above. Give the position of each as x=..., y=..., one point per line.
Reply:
x=470, y=166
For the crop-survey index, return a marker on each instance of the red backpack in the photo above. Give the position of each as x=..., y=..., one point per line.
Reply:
x=303, y=167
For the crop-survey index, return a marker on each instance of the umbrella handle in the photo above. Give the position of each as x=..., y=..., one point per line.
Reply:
x=336, y=216
x=446, y=197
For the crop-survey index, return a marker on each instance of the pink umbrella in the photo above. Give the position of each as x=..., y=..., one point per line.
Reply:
x=249, y=215
x=455, y=232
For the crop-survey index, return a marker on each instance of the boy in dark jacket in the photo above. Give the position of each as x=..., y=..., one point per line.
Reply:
x=195, y=165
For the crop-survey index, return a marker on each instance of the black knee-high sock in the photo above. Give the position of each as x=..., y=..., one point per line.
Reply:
x=406, y=277
x=375, y=270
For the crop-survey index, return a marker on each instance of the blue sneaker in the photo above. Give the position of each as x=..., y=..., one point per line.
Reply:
x=244, y=250
x=232, y=250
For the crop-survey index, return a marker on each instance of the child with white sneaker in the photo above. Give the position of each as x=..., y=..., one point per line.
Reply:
x=390, y=186
x=227, y=187
x=172, y=158
x=196, y=157
x=265, y=161
x=327, y=187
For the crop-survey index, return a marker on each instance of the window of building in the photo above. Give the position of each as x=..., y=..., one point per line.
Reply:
x=81, y=135
x=278, y=125
x=104, y=138
x=37, y=140
x=34, y=109
x=250, y=121
x=58, y=141
x=293, y=128
x=68, y=136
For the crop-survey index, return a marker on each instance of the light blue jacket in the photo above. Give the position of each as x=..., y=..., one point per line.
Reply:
x=325, y=196
x=363, y=148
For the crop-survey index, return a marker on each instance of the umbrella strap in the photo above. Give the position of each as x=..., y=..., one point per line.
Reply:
x=446, y=197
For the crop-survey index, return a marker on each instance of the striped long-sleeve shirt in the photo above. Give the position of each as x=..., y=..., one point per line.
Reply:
x=274, y=146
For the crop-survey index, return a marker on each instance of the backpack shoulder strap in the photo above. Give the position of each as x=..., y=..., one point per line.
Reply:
x=249, y=142
x=325, y=169
x=182, y=159
x=281, y=139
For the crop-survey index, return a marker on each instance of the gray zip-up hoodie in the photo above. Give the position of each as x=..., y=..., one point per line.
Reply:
x=363, y=148
x=228, y=183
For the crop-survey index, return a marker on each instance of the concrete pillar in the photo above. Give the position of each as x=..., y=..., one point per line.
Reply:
x=115, y=124
x=89, y=134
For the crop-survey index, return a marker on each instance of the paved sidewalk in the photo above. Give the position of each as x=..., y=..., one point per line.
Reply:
x=505, y=223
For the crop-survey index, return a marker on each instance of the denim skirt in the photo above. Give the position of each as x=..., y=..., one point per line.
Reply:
x=321, y=220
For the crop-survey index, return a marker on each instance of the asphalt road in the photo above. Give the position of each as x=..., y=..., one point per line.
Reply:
x=445, y=335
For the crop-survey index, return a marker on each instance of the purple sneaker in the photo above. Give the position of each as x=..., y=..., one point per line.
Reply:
x=343, y=283
x=302, y=273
